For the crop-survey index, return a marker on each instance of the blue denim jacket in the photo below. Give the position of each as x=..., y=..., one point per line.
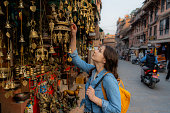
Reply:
x=110, y=84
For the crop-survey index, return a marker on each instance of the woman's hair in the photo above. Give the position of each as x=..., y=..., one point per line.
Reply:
x=111, y=60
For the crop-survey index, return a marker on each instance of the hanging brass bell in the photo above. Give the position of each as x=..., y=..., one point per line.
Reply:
x=6, y=86
x=6, y=3
x=12, y=85
x=33, y=34
x=1, y=13
x=78, y=23
x=3, y=75
x=66, y=2
x=8, y=26
x=21, y=4
x=8, y=56
x=21, y=39
x=51, y=50
x=75, y=9
x=21, y=72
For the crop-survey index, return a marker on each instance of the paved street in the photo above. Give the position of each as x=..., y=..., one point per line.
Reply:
x=144, y=99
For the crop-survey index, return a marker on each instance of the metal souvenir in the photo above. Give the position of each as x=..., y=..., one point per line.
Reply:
x=12, y=86
x=24, y=83
x=6, y=3
x=52, y=50
x=33, y=34
x=21, y=39
x=8, y=56
x=8, y=26
x=33, y=7
x=21, y=4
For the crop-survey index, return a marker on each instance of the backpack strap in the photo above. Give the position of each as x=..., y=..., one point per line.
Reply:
x=100, y=80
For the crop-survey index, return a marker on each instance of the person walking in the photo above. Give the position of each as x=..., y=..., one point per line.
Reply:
x=105, y=61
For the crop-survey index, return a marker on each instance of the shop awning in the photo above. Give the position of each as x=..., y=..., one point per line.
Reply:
x=134, y=48
x=160, y=41
x=125, y=38
x=143, y=47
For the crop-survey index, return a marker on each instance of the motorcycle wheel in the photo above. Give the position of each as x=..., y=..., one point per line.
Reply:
x=152, y=86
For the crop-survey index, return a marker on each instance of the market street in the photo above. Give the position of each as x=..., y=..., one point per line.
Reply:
x=144, y=99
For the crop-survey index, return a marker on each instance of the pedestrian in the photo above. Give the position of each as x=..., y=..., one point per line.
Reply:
x=168, y=74
x=105, y=60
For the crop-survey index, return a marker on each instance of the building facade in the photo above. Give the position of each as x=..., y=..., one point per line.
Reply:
x=149, y=29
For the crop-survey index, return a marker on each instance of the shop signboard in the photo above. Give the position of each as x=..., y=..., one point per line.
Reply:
x=161, y=58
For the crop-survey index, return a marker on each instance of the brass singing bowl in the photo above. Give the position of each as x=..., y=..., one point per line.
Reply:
x=21, y=97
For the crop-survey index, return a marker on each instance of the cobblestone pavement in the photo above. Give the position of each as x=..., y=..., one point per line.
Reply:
x=143, y=99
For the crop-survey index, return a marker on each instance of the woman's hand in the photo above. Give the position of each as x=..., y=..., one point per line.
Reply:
x=91, y=93
x=73, y=30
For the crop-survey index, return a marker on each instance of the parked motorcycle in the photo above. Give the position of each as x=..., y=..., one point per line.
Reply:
x=150, y=78
x=136, y=61
x=161, y=67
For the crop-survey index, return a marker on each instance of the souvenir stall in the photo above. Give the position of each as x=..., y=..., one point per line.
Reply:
x=34, y=48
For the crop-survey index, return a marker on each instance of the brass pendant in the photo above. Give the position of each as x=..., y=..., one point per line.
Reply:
x=24, y=83
x=33, y=8
x=7, y=95
x=69, y=59
x=8, y=35
x=34, y=46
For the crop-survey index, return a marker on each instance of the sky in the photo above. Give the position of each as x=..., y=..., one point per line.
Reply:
x=113, y=9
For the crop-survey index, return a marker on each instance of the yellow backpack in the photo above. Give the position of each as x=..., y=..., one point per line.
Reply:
x=124, y=94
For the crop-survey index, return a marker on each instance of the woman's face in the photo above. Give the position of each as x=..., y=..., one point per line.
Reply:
x=98, y=56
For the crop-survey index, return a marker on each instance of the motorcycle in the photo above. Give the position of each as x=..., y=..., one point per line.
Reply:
x=161, y=67
x=136, y=61
x=150, y=78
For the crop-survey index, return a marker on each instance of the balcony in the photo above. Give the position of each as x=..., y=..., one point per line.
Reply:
x=147, y=4
x=164, y=14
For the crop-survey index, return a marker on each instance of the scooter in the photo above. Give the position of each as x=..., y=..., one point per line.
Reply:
x=150, y=78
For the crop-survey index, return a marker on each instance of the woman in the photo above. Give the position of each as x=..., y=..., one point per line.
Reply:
x=105, y=60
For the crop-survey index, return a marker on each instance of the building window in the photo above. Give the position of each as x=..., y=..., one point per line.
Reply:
x=145, y=23
x=167, y=25
x=150, y=33
x=161, y=27
x=167, y=4
x=162, y=5
x=155, y=30
x=156, y=13
x=144, y=37
x=151, y=16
